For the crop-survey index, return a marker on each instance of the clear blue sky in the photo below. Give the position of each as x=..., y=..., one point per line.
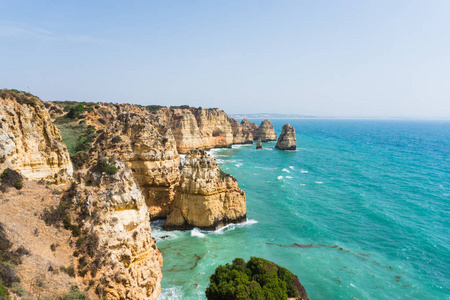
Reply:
x=324, y=58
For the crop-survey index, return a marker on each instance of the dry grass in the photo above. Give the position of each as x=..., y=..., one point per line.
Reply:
x=21, y=215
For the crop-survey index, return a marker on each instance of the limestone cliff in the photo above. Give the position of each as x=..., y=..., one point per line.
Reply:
x=240, y=134
x=151, y=155
x=29, y=142
x=116, y=248
x=266, y=132
x=197, y=128
x=206, y=197
x=287, y=140
x=249, y=128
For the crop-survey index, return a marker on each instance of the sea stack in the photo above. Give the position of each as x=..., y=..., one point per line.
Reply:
x=287, y=140
x=207, y=197
x=259, y=144
x=265, y=132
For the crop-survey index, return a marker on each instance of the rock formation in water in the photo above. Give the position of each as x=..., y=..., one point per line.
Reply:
x=266, y=132
x=151, y=155
x=259, y=144
x=117, y=250
x=287, y=140
x=206, y=197
x=29, y=142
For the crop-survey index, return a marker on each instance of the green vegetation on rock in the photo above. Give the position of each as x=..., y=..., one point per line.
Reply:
x=10, y=178
x=21, y=97
x=256, y=279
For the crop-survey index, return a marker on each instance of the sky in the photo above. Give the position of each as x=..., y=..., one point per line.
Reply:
x=338, y=58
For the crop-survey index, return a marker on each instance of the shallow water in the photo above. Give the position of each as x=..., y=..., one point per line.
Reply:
x=360, y=211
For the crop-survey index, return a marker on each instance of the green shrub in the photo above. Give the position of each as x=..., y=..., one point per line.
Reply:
x=256, y=279
x=106, y=166
x=4, y=293
x=70, y=270
x=153, y=108
x=74, y=294
x=11, y=178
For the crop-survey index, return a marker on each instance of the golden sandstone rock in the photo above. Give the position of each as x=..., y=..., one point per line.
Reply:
x=152, y=157
x=206, y=197
x=287, y=140
x=266, y=132
x=29, y=142
x=126, y=260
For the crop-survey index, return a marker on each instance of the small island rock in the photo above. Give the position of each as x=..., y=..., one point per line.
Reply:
x=259, y=144
x=266, y=132
x=287, y=140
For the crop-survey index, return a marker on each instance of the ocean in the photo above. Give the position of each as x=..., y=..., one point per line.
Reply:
x=360, y=211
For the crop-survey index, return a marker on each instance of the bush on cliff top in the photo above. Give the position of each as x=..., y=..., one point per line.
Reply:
x=256, y=279
x=10, y=178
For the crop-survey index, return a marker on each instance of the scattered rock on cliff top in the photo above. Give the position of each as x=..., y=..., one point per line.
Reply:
x=259, y=144
x=287, y=140
x=206, y=197
x=266, y=132
x=29, y=142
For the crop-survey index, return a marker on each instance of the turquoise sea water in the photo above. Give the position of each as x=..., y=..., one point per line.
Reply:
x=360, y=211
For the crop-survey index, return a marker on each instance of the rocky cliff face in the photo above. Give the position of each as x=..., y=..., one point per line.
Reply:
x=249, y=128
x=117, y=250
x=197, y=128
x=151, y=155
x=206, y=197
x=287, y=140
x=240, y=134
x=29, y=142
x=266, y=132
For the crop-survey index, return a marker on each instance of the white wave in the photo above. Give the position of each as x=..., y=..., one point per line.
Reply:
x=319, y=182
x=302, y=184
x=238, y=165
x=172, y=293
x=289, y=177
x=196, y=232
x=303, y=171
x=291, y=167
x=280, y=177
x=159, y=235
x=286, y=170
x=233, y=226
x=240, y=146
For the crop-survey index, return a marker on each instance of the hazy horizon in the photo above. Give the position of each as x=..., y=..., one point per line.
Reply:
x=371, y=59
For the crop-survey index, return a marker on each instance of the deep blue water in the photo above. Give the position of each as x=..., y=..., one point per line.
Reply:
x=360, y=211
